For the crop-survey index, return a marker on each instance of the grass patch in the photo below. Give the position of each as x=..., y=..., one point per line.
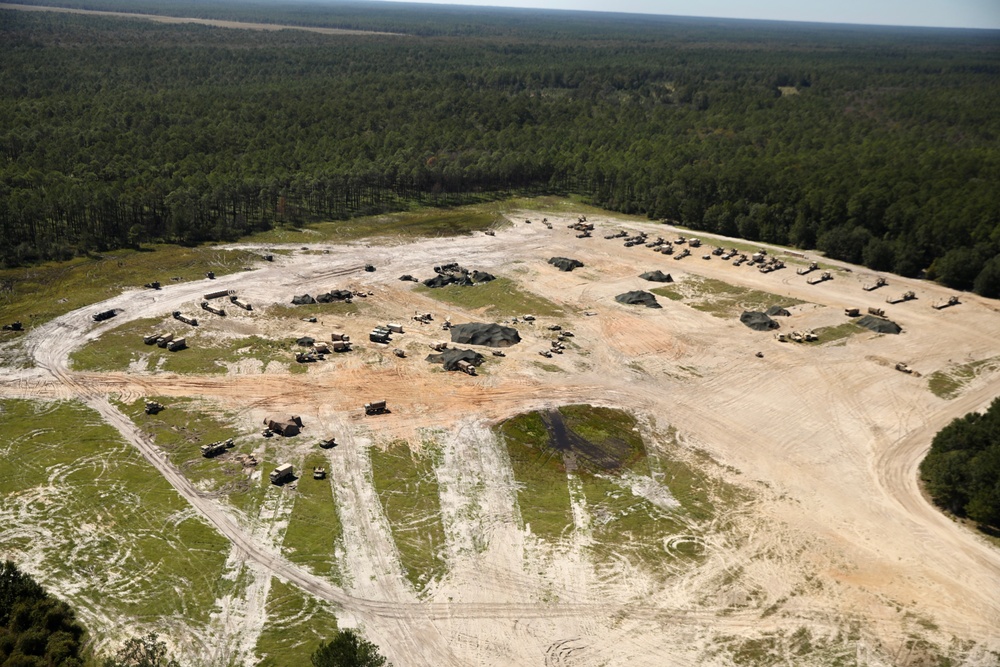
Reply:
x=314, y=529
x=37, y=294
x=542, y=490
x=422, y=222
x=722, y=299
x=181, y=429
x=835, y=333
x=498, y=298
x=205, y=355
x=408, y=491
x=668, y=292
x=102, y=522
x=317, y=310
x=296, y=624
x=949, y=383
x=549, y=368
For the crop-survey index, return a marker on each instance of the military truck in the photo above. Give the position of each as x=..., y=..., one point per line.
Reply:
x=376, y=408
x=335, y=337
x=104, y=315
x=399, y=353
x=823, y=277
x=952, y=301
x=466, y=367
x=877, y=312
x=153, y=407
x=379, y=335
x=151, y=338
x=852, y=312
x=813, y=266
x=164, y=340
x=905, y=296
x=216, y=448
x=218, y=294
x=14, y=326
x=341, y=346
x=319, y=473
x=176, y=344
x=283, y=473
x=879, y=282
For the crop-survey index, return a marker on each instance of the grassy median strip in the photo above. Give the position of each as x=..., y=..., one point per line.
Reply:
x=497, y=298
x=314, y=529
x=408, y=491
x=296, y=624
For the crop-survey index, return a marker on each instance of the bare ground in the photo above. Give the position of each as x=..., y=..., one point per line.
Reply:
x=829, y=437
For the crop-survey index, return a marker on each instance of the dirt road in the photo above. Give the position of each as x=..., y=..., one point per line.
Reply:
x=828, y=437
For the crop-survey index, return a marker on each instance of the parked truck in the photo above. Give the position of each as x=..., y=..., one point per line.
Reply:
x=216, y=448
x=283, y=473
x=376, y=408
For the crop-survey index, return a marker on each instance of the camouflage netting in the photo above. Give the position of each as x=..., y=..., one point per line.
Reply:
x=303, y=300
x=334, y=295
x=638, y=298
x=657, y=276
x=491, y=335
x=407, y=276
x=565, y=263
x=758, y=321
x=879, y=324
x=305, y=341
x=778, y=311
x=482, y=277
x=449, y=358
x=453, y=274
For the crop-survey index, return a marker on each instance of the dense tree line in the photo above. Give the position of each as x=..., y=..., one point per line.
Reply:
x=962, y=470
x=875, y=146
x=348, y=649
x=36, y=630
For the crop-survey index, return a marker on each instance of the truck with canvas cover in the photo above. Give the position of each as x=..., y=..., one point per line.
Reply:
x=376, y=408
x=283, y=473
x=104, y=315
x=176, y=344
x=151, y=338
x=218, y=294
x=164, y=340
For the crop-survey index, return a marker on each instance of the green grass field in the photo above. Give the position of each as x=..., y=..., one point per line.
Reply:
x=408, y=492
x=314, y=529
x=205, y=354
x=296, y=625
x=34, y=295
x=99, y=520
x=948, y=383
x=497, y=298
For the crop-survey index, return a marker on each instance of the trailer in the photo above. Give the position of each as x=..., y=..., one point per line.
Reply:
x=905, y=296
x=177, y=315
x=235, y=300
x=879, y=282
x=205, y=305
x=823, y=277
x=219, y=294
x=952, y=301
x=283, y=473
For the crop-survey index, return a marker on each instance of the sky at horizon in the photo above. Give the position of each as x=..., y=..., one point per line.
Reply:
x=924, y=13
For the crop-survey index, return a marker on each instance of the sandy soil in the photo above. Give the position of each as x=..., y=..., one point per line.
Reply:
x=829, y=437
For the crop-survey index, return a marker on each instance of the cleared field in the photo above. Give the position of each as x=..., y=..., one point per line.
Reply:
x=712, y=506
x=85, y=510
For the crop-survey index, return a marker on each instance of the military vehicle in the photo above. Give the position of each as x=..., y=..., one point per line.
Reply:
x=13, y=326
x=879, y=282
x=235, y=300
x=319, y=473
x=376, y=408
x=813, y=266
x=904, y=368
x=339, y=337
x=877, y=312
x=466, y=367
x=823, y=277
x=151, y=338
x=205, y=305
x=905, y=296
x=282, y=474
x=164, y=340
x=153, y=285
x=852, y=312
x=218, y=294
x=153, y=407
x=952, y=301
x=399, y=353
x=177, y=315
x=104, y=315
x=176, y=344
x=369, y=268
x=216, y=448
x=328, y=443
